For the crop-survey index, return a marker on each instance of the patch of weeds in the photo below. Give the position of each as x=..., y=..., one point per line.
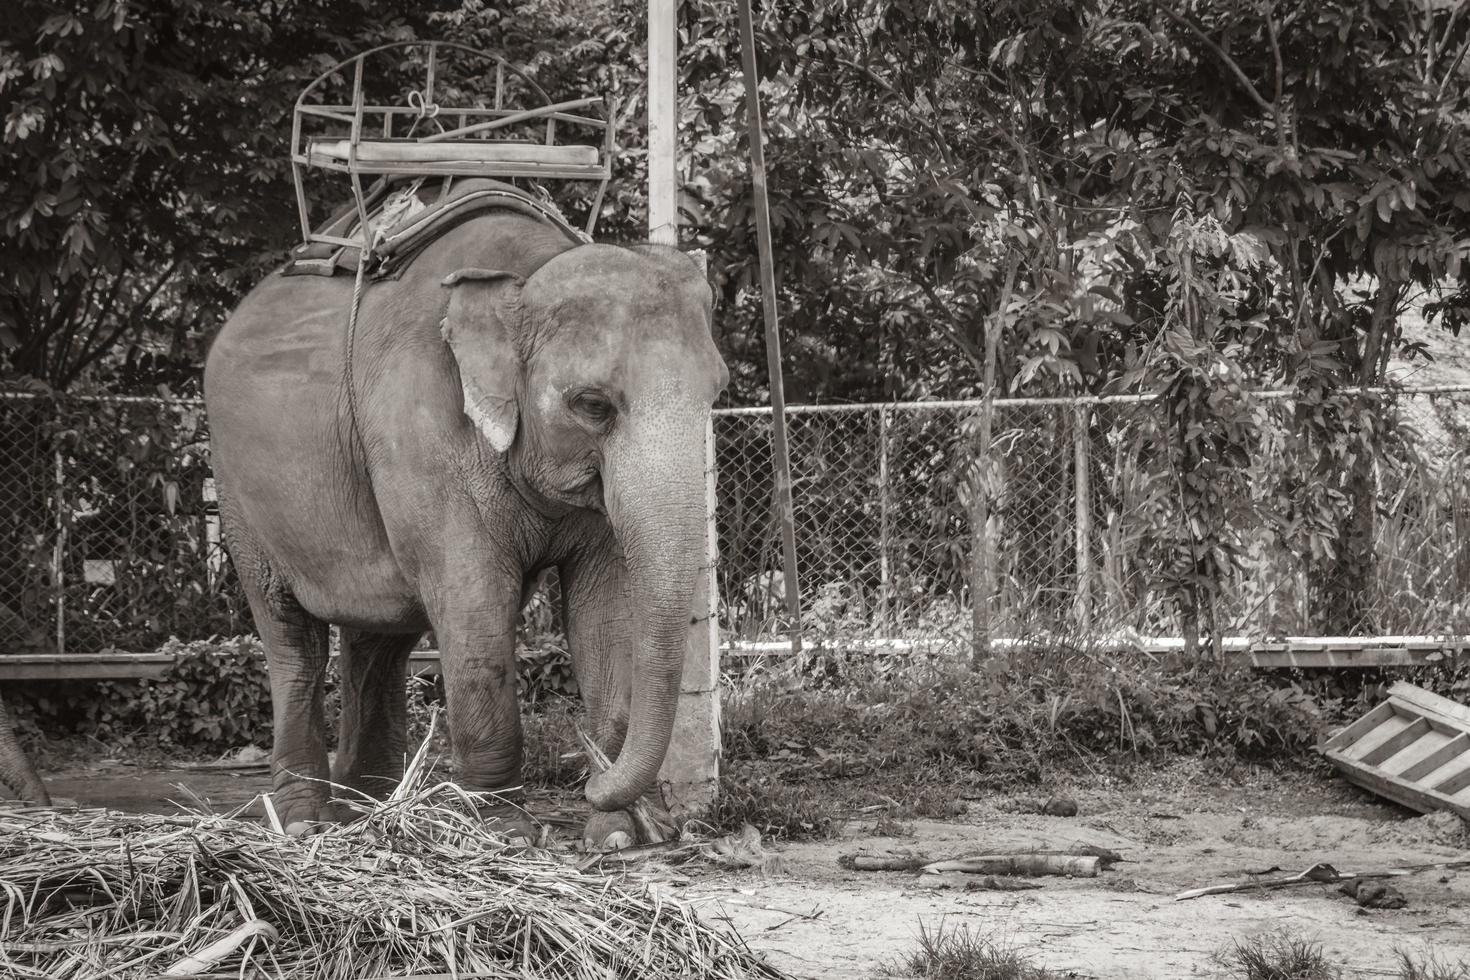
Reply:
x=1277, y=956
x=927, y=721
x=890, y=824
x=779, y=809
x=1430, y=967
x=959, y=954
x=552, y=756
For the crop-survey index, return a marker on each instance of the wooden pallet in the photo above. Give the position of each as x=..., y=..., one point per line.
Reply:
x=1413, y=748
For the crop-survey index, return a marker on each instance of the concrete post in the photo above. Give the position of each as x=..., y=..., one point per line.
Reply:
x=690, y=775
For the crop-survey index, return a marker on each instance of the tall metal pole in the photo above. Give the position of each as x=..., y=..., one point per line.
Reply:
x=782, y=459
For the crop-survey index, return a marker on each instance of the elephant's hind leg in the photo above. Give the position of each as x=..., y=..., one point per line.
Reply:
x=373, y=734
x=296, y=653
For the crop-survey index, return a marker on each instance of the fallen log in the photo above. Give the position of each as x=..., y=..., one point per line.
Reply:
x=1030, y=865
x=973, y=883
x=881, y=862
x=1020, y=863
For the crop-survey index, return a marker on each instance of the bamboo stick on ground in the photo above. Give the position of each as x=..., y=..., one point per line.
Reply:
x=1031, y=865
x=881, y=862
x=907, y=862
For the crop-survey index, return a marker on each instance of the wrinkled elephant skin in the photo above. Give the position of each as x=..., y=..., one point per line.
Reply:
x=514, y=402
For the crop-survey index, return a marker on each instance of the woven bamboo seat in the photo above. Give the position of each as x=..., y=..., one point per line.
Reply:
x=422, y=138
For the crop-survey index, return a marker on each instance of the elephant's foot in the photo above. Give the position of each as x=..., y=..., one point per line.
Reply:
x=609, y=831
x=302, y=817
x=509, y=820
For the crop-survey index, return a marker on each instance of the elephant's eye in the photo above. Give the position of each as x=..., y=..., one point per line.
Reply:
x=593, y=407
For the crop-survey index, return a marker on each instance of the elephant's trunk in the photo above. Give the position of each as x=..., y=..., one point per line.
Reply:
x=656, y=502
x=18, y=779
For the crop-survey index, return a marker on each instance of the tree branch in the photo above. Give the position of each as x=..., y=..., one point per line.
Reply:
x=88, y=354
x=1225, y=58
x=940, y=143
x=1281, y=135
x=1455, y=64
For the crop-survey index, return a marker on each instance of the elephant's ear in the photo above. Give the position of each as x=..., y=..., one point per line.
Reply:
x=482, y=325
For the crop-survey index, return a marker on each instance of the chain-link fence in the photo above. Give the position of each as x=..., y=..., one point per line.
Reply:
x=1083, y=533
x=109, y=537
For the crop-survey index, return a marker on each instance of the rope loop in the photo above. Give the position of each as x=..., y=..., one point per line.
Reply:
x=427, y=109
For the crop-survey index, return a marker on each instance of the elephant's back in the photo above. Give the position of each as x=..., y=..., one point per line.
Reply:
x=287, y=331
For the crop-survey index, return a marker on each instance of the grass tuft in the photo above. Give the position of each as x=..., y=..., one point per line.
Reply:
x=960, y=954
x=779, y=810
x=1278, y=956
x=1430, y=967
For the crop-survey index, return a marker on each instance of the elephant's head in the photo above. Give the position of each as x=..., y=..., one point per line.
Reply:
x=596, y=376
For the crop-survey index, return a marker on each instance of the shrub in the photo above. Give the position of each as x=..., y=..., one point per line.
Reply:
x=1014, y=719
x=216, y=698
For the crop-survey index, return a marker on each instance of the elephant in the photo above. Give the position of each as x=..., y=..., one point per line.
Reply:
x=18, y=779
x=514, y=401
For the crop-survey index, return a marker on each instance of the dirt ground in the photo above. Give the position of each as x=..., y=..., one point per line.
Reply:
x=1178, y=829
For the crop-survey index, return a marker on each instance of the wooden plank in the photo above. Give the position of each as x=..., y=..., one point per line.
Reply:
x=1384, y=733
x=128, y=666
x=1355, y=731
x=1429, y=753
x=1392, y=746
x=1457, y=779
x=1355, y=658
x=1430, y=702
x=1412, y=796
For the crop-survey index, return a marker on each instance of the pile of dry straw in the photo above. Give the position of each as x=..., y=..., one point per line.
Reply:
x=417, y=887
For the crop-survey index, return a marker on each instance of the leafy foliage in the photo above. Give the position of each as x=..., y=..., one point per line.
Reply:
x=216, y=698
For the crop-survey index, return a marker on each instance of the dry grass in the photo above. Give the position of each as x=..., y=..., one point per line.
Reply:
x=1430, y=967
x=417, y=886
x=1278, y=956
x=960, y=954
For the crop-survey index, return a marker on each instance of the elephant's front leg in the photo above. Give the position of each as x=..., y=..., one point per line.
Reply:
x=475, y=624
x=602, y=639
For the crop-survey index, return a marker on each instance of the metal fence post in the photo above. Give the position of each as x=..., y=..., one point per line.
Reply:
x=1082, y=486
x=885, y=531
x=58, y=553
x=981, y=580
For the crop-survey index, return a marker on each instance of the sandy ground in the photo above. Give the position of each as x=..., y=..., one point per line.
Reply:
x=1180, y=829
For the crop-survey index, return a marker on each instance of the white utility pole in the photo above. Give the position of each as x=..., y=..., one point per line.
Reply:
x=691, y=773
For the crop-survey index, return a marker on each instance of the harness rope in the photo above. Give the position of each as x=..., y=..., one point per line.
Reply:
x=357, y=287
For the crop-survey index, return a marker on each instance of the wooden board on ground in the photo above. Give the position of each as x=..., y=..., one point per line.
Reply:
x=1413, y=748
x=128, y=666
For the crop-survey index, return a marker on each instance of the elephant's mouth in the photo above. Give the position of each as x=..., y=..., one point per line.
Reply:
x=583, y=490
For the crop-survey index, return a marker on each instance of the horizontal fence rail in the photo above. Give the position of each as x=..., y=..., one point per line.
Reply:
x=111, y=537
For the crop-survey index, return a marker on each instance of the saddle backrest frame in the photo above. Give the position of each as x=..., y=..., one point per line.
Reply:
x=468, y=150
